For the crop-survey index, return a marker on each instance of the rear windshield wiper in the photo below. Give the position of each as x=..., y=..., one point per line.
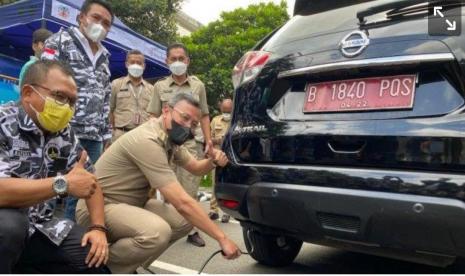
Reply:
x=396, y=5
x=402, y=8
x=419, y=8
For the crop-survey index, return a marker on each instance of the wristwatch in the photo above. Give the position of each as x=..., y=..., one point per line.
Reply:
x=60, y=186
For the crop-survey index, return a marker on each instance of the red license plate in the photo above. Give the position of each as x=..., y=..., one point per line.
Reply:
x=395, y=92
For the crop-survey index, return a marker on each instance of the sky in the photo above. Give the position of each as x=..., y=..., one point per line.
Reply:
x=206, y=11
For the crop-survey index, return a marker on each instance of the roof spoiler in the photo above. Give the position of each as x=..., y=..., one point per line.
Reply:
x=307, y=7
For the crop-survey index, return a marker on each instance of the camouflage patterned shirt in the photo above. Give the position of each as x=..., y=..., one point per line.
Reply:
x=25, y=152
x=91, y=119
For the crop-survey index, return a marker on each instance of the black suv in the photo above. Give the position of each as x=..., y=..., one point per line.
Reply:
x=348, y=131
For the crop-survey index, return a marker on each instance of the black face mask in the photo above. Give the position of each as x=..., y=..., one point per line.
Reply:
x=179, y=134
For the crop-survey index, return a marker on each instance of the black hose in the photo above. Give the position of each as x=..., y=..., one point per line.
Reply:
x=211, y=257
x=205, y=264
x=219, y=251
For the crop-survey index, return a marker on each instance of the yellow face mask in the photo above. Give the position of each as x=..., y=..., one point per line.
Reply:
x=54, y=117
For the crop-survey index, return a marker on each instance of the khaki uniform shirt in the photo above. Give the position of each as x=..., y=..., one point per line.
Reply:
x=128, y=103
x=166, y=88
x=140, y=159
x=219, y=127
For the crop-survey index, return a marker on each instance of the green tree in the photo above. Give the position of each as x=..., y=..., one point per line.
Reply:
x=151, y=18
x=215, y=48
x=5, y=2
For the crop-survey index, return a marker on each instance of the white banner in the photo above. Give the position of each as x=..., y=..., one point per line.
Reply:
x=64, y=12
x=133, y=42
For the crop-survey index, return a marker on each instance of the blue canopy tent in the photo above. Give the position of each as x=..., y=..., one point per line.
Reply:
x=9, y=69
x=19, y=20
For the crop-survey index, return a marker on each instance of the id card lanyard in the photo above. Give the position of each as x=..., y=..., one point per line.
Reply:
x=136, y=119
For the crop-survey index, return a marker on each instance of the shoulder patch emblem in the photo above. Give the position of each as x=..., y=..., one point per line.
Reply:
x=49, y=53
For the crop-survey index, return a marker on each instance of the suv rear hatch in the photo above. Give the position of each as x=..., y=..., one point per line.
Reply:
x=270, y=125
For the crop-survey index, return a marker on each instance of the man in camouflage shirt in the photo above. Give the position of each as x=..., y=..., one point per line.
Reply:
x=38, y=161
x=82, y=50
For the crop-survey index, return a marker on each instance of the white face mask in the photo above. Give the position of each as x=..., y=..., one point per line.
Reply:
x=178, y=68
x=95, y=32
x=135, y=70
x=227, y=117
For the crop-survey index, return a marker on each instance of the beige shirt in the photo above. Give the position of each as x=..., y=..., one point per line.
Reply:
x=140, y=159
x=128, y=103
x=219, y=127
x=165, y=89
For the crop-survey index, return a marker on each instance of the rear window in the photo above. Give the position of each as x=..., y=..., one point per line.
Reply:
x=336, y=20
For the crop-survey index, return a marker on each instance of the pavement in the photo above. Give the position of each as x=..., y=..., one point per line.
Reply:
x=184, y=258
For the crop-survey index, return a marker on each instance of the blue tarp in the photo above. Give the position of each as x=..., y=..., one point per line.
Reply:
x=9, y=68
x=19, y=20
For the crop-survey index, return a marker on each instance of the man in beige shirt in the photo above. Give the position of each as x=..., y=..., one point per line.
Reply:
x=130, y=96
x=142, y=228
x=180, y=82
x=219, y=126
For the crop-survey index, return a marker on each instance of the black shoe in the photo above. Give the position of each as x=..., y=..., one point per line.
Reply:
x=196, y=240
x=213, y=215
x=225, y=218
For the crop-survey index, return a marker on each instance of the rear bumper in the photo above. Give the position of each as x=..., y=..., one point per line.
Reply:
x=372, y=219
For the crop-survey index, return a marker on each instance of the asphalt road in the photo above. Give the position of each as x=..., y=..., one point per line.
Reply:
x=185, y=258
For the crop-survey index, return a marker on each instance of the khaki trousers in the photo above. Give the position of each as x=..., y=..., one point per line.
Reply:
x=188, y=181
x=138, y=236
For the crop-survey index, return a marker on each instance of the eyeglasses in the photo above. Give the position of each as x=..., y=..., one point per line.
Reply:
x=187, y=119
x=59, y=96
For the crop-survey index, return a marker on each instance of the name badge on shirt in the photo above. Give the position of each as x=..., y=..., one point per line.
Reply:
x=136, y=119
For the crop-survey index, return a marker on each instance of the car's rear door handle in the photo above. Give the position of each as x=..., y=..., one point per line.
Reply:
x=343, y=151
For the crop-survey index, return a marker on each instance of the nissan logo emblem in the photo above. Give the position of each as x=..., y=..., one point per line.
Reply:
x=354, y=43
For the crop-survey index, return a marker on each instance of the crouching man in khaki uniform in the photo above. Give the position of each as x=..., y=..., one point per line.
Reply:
x=142, y=228
x=177, y=58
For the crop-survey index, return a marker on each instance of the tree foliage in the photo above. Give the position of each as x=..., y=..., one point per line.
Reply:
x=216, y=48
x=5, y=2
x=151, y=18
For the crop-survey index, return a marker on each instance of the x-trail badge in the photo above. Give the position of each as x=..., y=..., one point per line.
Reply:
x=354, y=43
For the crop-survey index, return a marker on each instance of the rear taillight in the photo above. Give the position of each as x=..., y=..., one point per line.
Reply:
x=249, y=66
x=230, y=204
